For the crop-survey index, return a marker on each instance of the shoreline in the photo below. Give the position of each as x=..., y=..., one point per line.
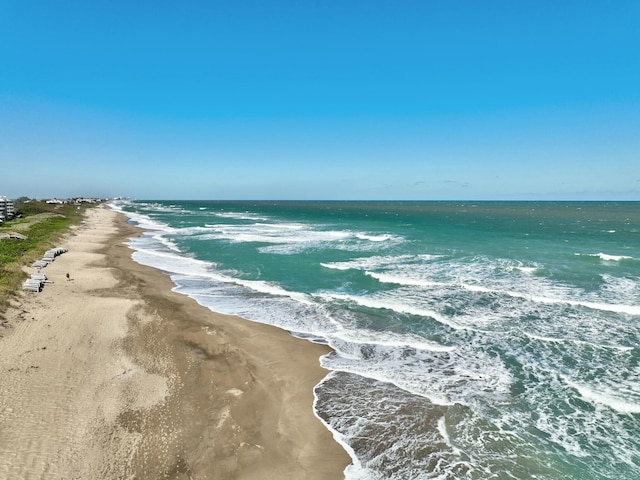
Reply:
x=114, y=375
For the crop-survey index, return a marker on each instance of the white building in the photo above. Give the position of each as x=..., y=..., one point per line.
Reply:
x=7, y=210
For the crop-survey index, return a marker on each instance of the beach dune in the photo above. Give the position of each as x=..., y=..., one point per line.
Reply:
x=109, y=374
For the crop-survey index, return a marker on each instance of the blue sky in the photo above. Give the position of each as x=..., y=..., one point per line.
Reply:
x=320, y=99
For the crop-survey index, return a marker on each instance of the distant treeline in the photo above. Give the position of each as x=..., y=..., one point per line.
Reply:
x=28, y=206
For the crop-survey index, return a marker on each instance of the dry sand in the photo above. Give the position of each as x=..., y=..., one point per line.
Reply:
x=111, y=375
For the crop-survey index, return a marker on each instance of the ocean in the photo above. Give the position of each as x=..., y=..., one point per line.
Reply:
x=472, y=340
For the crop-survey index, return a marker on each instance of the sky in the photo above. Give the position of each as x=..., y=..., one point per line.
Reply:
x=323, y=99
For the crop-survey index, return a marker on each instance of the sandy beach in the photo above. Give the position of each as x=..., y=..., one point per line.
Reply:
x=111, y=375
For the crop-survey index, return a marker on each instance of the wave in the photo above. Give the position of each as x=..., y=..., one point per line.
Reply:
x=442, y=429
x=576, y=342
x=374, y=238
x=379, y=261
x=527, y=270
x=173, y=263
x=286, y=238
x=394, y=305
x=156, y=207
x=399, y=280
x=389, y=339
x=241, y=216
x=273, y=289
x=141, y=220
x=190, y=267
x=445, y=376
x=612, y=258
x=609, y=399
x=420, y=282
x=355, y=471
x=335, y=266
x=605, y=257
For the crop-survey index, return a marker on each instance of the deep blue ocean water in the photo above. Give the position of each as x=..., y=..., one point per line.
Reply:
x=472, y=340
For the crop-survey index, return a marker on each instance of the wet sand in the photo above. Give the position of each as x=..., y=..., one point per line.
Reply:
x=111, y=375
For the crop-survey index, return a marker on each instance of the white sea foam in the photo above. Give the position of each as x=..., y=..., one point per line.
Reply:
x=284, y=248
x=194, y=230
x=611, y=258
x=389, y=339
x=174, y=263
x=395, y=305
x=607, y=398
x=355, y=471
x=445, y=377
x=401, y=280
x=118, y=205
x=158, y=207
x=425, y=271
x=558, y=428
x=337, y=265
x=442, y=428
x=241, y=216
x=272, y=289
x=627, y=309
x=527, y=270
x=416, y=386
x=374, y=238
x=284, y=238
x=620, y=290
x=168, y=243
x=564, y=294
x=147, y=223
x=577, y=342
x=265, y=233
x=605, y=257
x=377, y=261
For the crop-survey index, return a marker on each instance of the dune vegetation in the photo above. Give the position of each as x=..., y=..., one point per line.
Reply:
x=39, y=226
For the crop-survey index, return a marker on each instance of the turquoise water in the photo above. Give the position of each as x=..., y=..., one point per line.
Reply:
x=472, y=340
